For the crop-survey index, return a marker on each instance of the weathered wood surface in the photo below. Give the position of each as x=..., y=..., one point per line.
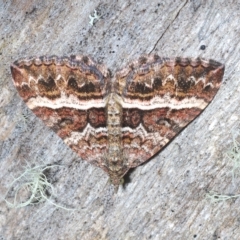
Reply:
x=165, y=198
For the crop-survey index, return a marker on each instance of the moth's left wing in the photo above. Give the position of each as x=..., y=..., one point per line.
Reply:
x=68, y=94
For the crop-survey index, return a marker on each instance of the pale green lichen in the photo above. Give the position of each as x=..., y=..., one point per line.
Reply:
x=94, y=18
x=215, y=197
x=233, y=155
x=35, y=184
x=23, y=119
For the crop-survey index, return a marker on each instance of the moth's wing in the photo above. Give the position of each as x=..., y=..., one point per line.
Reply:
x=160, y=97
x=68, y=94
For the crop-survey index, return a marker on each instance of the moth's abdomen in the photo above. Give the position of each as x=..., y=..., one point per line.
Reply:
x=114, y=125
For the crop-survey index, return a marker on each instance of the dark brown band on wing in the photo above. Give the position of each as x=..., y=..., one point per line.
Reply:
x=179, y=77
x=63, y=121
x=51, y=76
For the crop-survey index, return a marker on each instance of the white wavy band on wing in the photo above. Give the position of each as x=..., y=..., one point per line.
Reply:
x=165, y=102
x=85, y=135
x=70, y=101
x=141, y=132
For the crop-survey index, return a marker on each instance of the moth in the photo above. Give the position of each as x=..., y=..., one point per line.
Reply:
x=118, y=121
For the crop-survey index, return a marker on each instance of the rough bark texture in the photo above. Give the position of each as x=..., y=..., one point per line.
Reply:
x=164, y=198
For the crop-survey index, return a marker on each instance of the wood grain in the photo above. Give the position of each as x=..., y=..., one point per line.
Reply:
x=164, y=198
